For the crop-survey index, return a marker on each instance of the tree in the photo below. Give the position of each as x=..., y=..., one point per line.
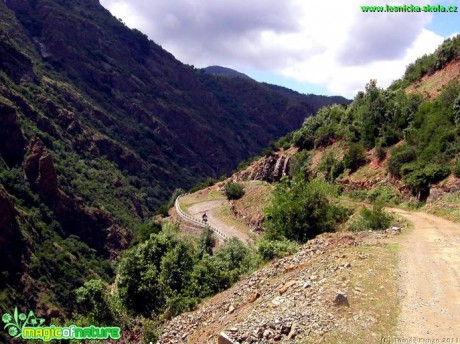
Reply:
x=301, y=210
x=206, y=242
x=93, y=300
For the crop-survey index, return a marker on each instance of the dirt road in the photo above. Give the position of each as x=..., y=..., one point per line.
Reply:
x=430, y=278
x=211, y=208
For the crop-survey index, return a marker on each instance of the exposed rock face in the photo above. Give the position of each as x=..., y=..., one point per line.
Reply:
x=10, y=238
x=12, y=142
x=271, y=169
x=94, y=226
x=450, y=185
x=40, y=172
x=15, y=64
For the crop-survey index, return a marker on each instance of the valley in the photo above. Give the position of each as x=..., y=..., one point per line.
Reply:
x=112, y=151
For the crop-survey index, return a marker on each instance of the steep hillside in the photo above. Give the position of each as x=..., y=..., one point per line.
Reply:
x=431, y=85
x=296, y=299
x=99, y=126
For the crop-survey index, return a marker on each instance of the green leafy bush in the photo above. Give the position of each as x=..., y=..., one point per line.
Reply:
x=456, y=168
x=419, y=178
x=399, y=156
x=234, y=190
x=301, y=210
x=383, y=195
x=355, y=156
x=94, y=301
x=379, y=152
x=275, y=249
x=371, y=219
x=170, y=273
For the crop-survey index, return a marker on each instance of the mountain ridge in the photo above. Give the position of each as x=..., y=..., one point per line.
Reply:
x=100, y=125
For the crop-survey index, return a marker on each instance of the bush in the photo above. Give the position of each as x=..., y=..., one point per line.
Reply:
x=299, y=163
x=400, y=156
x=371, y=219
x=419, y=178
x=355, y=156
x=94, y=301
x=234, y=190
x=383, y=195
x=206, y=242
x=456, y=168
x=301, y=210
x=331, y=167
x=275, y=249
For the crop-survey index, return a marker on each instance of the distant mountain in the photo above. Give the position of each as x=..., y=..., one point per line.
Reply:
x=218, y=70
x=99, y=126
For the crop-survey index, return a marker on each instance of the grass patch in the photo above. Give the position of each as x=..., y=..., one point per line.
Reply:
x=200, y=196
x=448, y=206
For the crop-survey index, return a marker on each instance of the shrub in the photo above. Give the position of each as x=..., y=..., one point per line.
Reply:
x=371, y=219
x=383, y=195
x=299, y=163
x=234, y=190
x=400, y=156
x=419, y=178
x=206, y=241
x=301, y=210
x=456, y=168
x=94, y=301
x=355, y=156
x=330, y=166
x=275, y=249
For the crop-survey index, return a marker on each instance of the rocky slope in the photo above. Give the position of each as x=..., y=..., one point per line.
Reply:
x=311, y=296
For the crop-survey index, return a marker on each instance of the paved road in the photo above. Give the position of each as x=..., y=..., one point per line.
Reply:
x=430, y=278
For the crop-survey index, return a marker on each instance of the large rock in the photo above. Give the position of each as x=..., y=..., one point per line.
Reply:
x=94, y=226
x=271, y=169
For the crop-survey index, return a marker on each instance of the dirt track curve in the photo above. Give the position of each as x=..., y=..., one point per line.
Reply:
x=430, y=278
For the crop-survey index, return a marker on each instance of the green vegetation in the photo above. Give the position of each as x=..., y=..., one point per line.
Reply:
x=380, y=118
x=300, y=210
x=428, y=64
x=371, y=219
x=382, y=195
x=170, y=274
x=270, y=249
x=234, y=190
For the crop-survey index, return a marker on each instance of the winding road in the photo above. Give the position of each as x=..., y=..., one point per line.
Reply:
x=211, y=209
x=430, y=278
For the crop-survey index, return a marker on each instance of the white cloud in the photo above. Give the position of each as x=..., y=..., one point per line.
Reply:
x=327, y=42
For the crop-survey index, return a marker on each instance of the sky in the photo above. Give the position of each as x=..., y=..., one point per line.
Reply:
x=322, y=47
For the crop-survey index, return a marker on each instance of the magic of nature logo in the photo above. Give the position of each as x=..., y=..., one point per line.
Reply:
x=28, y=326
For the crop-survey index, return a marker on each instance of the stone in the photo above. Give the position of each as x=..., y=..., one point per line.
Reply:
x=293, y=331
x=278, y=300
x=224, y=339
x=341, y=300
x=286, y=286
x=254, y=296
x=231, y=309
x=267, y=334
